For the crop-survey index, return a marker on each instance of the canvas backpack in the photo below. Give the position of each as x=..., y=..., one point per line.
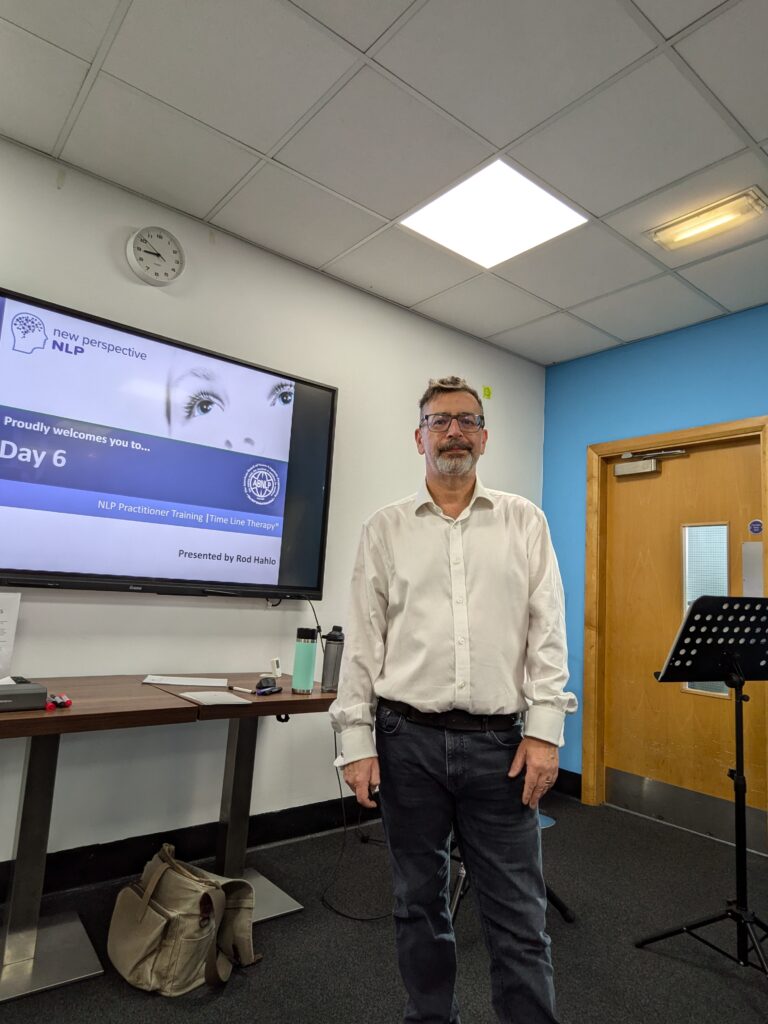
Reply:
x=179, y=927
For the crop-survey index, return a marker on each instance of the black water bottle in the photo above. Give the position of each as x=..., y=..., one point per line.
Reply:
x=334, y=646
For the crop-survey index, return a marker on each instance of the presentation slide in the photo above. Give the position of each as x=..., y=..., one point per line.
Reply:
x=127, y=456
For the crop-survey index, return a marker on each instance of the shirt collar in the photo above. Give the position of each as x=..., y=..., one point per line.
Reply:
x=424, y=498
x=481, y=494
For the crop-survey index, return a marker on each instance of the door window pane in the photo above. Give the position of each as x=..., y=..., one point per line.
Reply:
x=752, y=568
x=705, y=571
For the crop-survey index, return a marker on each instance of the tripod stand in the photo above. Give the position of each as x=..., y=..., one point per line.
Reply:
x=461, y=885
x=725, y=638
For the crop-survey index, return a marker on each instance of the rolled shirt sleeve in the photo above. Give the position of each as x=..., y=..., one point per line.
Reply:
x=546, y=656
x=352, y=713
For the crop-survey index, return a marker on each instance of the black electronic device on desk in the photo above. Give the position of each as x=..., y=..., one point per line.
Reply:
x=267, y=685
x=19, y=694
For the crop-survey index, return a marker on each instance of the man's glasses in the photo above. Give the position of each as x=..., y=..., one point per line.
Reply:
x=440, y=422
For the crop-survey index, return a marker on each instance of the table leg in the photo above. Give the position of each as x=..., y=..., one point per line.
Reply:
x=232, y=841
x=38, y=954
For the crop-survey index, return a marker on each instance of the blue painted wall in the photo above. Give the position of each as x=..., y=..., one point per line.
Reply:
x=710, y=373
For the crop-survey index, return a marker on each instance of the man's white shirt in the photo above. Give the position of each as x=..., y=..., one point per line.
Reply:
x=465, y=613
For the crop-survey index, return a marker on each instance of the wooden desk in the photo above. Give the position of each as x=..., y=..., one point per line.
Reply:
x=98, y=703
x=44, y=953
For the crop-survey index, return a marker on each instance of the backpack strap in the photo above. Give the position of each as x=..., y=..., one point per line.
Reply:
x=236, y=932
x=218, y=967
x=150, y=889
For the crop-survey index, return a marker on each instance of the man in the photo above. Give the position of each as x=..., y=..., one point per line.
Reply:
x=456, y=628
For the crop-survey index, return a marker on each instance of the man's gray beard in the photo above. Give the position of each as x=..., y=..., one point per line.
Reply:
x=451, y=465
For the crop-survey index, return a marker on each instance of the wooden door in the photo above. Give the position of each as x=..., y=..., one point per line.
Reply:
x=664, y=731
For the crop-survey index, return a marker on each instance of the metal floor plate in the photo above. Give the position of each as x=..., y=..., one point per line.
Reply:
x=269, y=901
x=64, y=955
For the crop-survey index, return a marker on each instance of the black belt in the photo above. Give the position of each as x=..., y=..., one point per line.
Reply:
x=460, y=721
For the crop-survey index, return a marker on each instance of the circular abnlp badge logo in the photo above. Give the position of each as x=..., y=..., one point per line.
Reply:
x=261, y=484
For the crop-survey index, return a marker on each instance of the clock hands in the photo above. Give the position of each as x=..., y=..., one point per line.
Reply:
x=152, y=252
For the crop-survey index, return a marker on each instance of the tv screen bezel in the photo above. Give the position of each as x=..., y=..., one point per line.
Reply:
x=160, y=585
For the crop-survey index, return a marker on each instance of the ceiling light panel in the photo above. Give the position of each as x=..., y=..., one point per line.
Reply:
x=494, y=215
x=711, y=220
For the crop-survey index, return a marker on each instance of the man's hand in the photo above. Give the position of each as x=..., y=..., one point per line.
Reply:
x=362, y=777
x=540, y=760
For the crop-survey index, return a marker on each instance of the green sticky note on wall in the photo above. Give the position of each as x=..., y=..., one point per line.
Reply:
x=487, y=392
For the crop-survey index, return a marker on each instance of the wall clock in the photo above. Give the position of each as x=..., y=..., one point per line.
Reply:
x=155, y=255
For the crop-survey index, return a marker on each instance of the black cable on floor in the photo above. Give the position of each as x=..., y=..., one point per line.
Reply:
x=324, y=895
x=360, y=834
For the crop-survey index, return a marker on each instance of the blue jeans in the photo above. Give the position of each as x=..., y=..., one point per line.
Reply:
x=435, y=782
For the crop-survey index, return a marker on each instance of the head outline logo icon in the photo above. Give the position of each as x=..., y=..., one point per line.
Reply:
x=28, y=333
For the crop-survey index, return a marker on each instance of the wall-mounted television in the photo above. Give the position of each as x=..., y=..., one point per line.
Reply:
x=129, y=461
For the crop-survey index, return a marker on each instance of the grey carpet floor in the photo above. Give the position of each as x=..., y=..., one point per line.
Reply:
x=624, y=877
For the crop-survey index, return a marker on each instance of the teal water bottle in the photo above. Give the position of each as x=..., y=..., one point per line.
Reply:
x=304, y=661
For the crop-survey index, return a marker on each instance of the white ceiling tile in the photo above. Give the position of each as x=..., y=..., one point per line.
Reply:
x=376, y=144
x=399, y=266
x=250, y=68
x=669, y=16
x=503, y=67
x=702, y=189
x=75, y=25
x=738, y=279
x=128, y=137
x=359, y=21
x=644, y=131
x=648, y=147
x=484, y=306
x=579, y=265
x=646, y=309
x=38, y=85
x=278, y=210
x=728, y=53
x=553, y=339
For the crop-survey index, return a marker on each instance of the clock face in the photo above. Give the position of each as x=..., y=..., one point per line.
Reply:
x=155, y=255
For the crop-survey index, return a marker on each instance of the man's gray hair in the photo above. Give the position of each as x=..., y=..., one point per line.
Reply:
x=446, y=386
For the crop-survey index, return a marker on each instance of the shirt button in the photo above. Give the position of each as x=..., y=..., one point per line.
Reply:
x=456, y=561
x=460, y=641
x=462, y=684
x=459, y=600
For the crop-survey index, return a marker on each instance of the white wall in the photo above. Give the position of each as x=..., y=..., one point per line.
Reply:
x=62, y=238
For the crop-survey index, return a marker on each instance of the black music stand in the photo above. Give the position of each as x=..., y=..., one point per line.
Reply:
x=725, y=639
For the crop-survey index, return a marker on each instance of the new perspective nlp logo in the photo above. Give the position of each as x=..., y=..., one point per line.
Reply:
x=28, y=333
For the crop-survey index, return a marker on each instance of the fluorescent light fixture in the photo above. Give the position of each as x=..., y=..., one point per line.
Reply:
x=494, y=215
x=711, y=220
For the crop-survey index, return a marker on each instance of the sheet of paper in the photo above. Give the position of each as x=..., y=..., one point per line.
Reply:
x=185, y=681
x=214, y=697
x=9, y=616
x=7, y=681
